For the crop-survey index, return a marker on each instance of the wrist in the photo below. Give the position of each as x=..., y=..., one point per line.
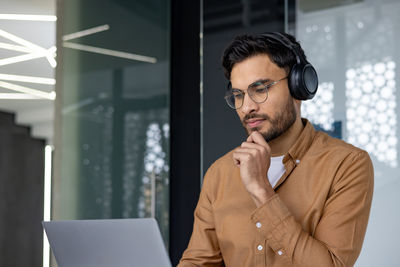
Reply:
x=262, y=195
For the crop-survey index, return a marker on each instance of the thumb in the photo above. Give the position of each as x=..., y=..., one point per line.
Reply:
x=257, y=138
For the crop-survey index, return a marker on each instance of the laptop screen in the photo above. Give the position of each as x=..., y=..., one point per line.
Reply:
x=105, y=243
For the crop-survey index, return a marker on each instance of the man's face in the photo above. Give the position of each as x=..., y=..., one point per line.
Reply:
x=278, y=113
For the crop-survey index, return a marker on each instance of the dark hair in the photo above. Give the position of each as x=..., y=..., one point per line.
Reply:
x=245, y=46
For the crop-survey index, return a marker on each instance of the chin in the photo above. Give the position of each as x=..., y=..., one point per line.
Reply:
x=263, y=128
x=255, y=129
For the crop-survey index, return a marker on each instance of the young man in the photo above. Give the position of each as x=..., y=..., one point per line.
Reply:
x=288, y=195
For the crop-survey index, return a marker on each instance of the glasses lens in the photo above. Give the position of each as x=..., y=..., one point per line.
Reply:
x=258, y=92
x=234, y=100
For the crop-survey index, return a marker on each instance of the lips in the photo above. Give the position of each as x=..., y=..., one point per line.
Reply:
x=253, y=123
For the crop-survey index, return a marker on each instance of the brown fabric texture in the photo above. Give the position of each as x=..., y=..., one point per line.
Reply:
x=317, y=217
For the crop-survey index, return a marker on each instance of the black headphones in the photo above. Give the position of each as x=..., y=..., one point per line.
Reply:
x=302, y=79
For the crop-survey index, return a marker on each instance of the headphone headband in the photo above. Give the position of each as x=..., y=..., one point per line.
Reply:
x=282, y=39
x=303, y=79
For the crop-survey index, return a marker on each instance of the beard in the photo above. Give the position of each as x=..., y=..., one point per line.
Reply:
x=280, y=123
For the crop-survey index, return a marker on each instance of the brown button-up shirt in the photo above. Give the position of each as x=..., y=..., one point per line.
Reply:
x=318, y=216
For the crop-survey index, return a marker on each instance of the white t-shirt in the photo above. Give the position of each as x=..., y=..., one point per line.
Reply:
x=276, y=170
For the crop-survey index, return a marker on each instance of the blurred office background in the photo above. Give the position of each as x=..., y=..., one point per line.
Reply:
x=115, y=109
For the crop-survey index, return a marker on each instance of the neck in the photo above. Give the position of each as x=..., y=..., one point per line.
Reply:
x=282, y=144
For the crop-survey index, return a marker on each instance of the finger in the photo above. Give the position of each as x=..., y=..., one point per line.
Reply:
x=251, y=145
x=236, y=162
x=263, y=150
x=247, y=155
x=257, y=138
x=236, y=159
x=250, y=138
x=249, y=150
x=241, y=156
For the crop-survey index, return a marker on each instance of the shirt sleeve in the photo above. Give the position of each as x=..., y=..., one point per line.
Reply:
x=203, y=248
x=340, y=232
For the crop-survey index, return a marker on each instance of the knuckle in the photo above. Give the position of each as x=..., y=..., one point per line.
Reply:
x=264, y=150
x=257, y=152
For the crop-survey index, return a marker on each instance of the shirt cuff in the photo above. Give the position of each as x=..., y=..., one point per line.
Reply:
x=268, y=216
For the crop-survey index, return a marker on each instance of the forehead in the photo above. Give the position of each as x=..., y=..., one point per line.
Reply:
x=255, y=68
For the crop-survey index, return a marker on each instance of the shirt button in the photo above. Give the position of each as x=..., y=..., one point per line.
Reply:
x=280, y=253
x=260, y=247
x=297, y=161
x=258, y=225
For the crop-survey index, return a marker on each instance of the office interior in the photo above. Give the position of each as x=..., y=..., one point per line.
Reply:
x=115, y=108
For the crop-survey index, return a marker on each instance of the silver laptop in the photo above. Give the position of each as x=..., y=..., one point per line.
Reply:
x=107, y=243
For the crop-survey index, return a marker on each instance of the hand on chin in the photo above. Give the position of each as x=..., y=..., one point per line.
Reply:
x=253, y=158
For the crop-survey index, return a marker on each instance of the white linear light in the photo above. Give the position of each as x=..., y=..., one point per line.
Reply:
x=90, y=31
x=47, y=201
x=20, y=96
x=26, y=57
x=27, y=90
x=51, y=55
x=35, y=49
x=27, y=79
x=47, y=182
x=28, y=17
x=78, y=105
x=109, y=52
x=15, y=47
x=21, y=41
x=22, y=58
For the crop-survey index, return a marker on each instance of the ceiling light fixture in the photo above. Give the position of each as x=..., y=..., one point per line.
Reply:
x=51, y=55
x=15, y=47
x=109, y=52
x=28, y=79
x=36, y=51
x=28, y=17
x=48, y=150
x=27, y=90
x=23, y=42
x=22, y=58
x=90, y=31
x=18, y=96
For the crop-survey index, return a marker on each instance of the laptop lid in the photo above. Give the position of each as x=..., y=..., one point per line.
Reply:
x=105, y=243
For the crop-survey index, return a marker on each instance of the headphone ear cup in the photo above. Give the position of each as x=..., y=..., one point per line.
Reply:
x=303, y=81
x=294, y=82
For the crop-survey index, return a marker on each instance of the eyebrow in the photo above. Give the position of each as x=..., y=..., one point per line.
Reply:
x=253, y=83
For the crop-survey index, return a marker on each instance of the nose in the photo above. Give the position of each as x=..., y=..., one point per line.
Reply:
x=249, y=106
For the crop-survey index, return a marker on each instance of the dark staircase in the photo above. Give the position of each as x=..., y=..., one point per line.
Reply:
x=21, y=194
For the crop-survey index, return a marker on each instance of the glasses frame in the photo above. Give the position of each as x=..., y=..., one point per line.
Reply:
x=229, y=93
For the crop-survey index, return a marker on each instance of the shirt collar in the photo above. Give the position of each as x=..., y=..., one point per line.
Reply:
x=303, y=143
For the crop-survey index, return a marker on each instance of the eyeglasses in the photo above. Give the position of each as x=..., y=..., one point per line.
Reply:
x=257, y=91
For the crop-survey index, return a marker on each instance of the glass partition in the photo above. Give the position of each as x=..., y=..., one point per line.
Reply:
x=113, y=85
x=222, y=20
x=353, y=45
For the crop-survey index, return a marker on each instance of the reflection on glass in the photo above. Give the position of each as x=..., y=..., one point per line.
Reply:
x=353, y=50
x=148, y=161
x=355, y=46
x=371, y=110
x=115, y=115
x=319, y=110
